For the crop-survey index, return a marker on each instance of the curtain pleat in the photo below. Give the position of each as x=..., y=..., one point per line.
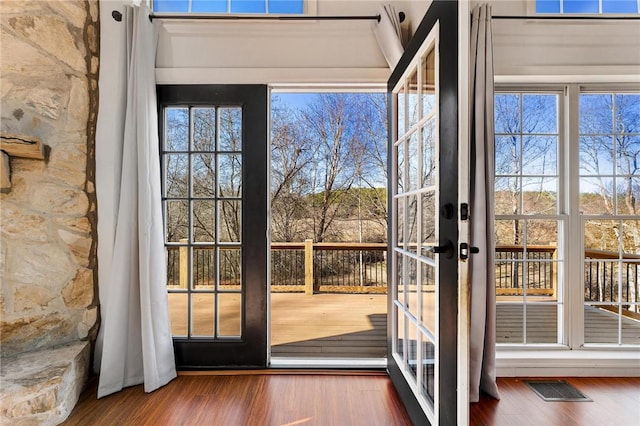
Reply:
x=388, y=34
x=135, y=344
x=482, y=367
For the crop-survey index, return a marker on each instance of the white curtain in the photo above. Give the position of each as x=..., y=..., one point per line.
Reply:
x=134, y=343
x=483, y=306
x=388, y=34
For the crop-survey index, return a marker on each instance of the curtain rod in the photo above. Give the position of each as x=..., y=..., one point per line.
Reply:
x=118, y=17
x=569, y=18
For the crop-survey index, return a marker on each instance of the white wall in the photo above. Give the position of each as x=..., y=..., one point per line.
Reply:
x=572, y=51
x=274, y=52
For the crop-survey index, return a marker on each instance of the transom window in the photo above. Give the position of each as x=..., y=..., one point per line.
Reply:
x=587, y=6
x=283, y=7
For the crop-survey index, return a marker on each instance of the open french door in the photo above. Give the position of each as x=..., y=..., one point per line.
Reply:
x=428, y=323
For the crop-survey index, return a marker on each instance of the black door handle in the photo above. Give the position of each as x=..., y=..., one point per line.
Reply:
x=444, y=249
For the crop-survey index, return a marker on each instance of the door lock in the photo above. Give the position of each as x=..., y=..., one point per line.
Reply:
x=465, y=250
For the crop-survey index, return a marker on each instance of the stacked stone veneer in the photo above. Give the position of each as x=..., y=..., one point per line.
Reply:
x=49, y=90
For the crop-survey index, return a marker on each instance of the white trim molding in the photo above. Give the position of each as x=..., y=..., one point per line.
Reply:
x=568, y=363
x=326, y=76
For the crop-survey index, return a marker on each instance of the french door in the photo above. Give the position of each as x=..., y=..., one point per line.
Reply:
x=427, y=312
x=214, y=149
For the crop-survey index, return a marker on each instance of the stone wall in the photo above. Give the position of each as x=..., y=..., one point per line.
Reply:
x=49, y=89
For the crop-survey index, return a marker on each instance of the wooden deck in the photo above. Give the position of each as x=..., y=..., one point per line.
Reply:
x=601, y=326
x=332, y=325
x=329, y=325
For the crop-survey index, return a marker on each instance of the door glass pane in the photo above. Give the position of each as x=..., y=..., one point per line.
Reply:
x=230, y=268
x=428, y=92
x=177, y=221
x=177, y=176
x=204, y=175
x=176, y=129
x=203, y=268
x=400, y=177
x=204, y=216
x=413, y=340
x=399, y=332
x=412, y=222
x=428, y=296
x=412, y=289
x=428, y=201
x=229, y=221
x=204, y=129
x=178, y=313
x=428, y=153
x=412, y=99
x=230, y=176
x=401, y=117
x=401, y=278
x=202, y=312
x=400, y=219
x=428, y=368
x=229, y=314
x=412, y=162
x=230, y=130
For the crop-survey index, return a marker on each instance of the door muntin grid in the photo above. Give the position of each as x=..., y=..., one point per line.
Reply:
x=202, y=202
x=415, y=195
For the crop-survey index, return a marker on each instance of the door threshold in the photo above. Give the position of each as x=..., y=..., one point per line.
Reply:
x=329, y=363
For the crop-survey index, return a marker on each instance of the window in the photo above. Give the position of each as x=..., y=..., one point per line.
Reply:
x=610, y=207
x=587, y=6
x=528, y=221
x=230, y=6
x=567, y=218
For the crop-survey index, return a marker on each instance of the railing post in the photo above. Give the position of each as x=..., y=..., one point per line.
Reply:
x=308, y=266
x=554, y=278
x=183, y=271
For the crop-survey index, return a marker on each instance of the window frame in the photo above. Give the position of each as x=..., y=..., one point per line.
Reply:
x=615, y=216
x=569, y=204
x=561, y=215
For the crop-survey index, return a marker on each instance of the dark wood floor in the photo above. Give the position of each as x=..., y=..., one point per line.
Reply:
x=616, y=402
x=255, y=399
x=277, y=397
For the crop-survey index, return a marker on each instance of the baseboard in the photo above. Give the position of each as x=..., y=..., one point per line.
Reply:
x=583, y=363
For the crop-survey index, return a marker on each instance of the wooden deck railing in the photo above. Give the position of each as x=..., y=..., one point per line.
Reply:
x=332, y=265
x=601, y=274
x=296, y=265
x=310, y=266
x=539, y=271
